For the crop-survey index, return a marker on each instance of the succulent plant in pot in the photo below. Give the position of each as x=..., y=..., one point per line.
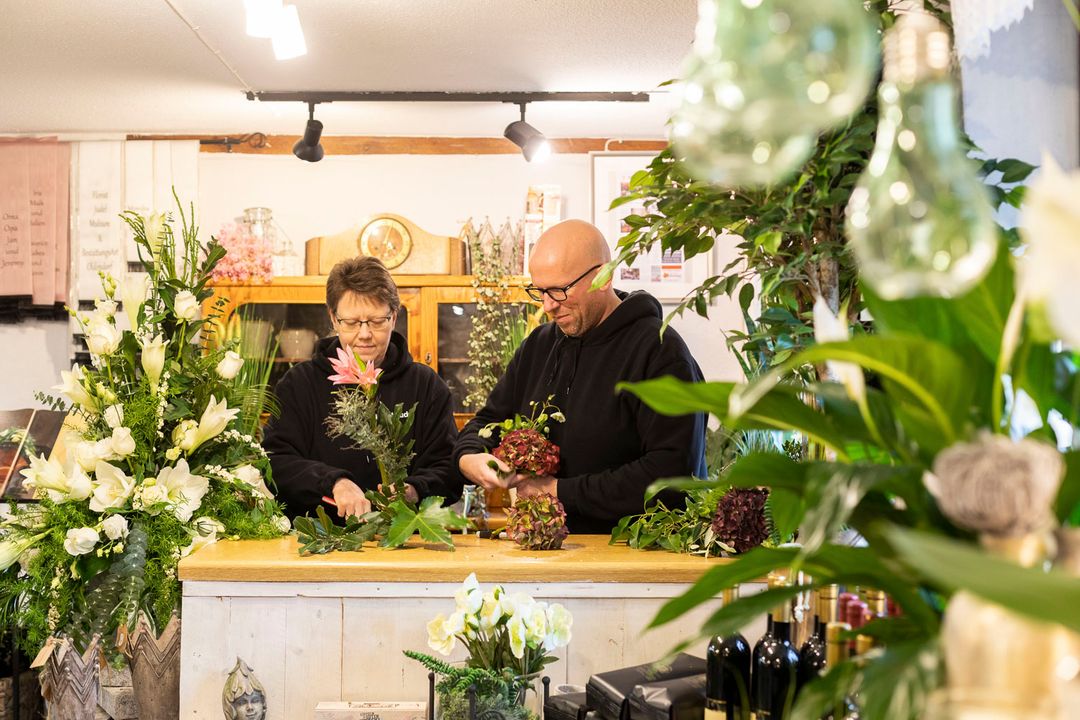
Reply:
x=537, y=523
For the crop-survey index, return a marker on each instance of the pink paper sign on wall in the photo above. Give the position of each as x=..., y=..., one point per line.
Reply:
x=15, y=276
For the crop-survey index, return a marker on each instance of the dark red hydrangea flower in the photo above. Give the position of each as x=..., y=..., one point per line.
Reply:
x=740, y=518
x=528, y=451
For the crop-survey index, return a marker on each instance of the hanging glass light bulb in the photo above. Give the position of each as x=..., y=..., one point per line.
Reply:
x=764, y=78
x=919, y=219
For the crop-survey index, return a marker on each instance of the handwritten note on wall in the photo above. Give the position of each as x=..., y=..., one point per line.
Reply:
x=99, y=231
x=34, y=177
x=15, y=278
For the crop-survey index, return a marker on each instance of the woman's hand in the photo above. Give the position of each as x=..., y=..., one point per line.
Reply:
x=350, y=499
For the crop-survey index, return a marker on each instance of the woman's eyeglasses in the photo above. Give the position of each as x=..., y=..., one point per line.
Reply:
x=375, y=323
x=558, y=294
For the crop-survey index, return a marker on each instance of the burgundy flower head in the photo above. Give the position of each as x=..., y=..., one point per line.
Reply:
x=740, y=518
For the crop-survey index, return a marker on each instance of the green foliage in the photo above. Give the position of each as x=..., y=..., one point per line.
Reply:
x=496, y=692
x=320, y=535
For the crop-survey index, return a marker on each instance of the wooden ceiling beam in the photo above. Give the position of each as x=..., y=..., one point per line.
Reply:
x=388, y=145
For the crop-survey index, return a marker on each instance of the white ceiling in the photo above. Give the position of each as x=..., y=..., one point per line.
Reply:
x=135, y=66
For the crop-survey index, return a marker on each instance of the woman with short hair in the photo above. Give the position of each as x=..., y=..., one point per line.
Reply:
x=362, y=300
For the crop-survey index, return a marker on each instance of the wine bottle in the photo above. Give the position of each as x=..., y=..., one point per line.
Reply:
x=836, y=652
x=727, y=674
x=812, y=653
x=775, y=664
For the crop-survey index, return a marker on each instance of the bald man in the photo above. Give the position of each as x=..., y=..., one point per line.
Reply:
x=612, y=446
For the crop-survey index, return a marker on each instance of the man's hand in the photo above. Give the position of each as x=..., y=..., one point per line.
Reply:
x=538, y=485
x=410, y=493
x=350, y=498
x=477, y=469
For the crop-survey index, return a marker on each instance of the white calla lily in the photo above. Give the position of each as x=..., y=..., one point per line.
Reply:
x=153, y=359
x=12, y=548
x=133, y=291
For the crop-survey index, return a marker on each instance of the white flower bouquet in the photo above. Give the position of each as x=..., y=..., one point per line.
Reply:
x=509, y=636
x=164, y=459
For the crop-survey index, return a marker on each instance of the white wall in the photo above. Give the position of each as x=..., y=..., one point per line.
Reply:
x=34, y=353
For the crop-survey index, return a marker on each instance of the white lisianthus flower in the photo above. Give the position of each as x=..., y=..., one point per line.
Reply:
x=183, y=435
x=12, y=548
x=114, y=416
x=154, y=226
x=153, y=359
x=80, y=541
x=172, y=453
x=106, y=307
x=438, y=639
x=121, y=443
x=112, y=487
x=831, y=328
x=281, y=524
x=484, y=432
x=151, y=496
x=103, y=448
x=102, y=336
x=559, y=622
x=205, y=533
x=1050, y=223
x=230, y=365
x=213, y=421
x=490, y=612
x=186, y=306
x=515, y=628
x=73, y=389
x=185, y=491
x=558, y=417
x=250, y=475
x=469, y=599
x=133, y=290
x=115, y=527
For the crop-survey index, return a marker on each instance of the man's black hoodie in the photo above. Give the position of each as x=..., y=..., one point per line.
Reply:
x=612, y=445
x=307, y=463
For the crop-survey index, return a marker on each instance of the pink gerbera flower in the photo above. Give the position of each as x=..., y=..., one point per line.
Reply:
x=351, y=370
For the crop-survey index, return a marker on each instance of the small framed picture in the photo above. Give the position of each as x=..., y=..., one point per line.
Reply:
x=666, y=275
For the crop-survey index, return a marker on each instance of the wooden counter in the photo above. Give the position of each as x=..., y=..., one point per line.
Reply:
x=584, y=558
x=334, y=627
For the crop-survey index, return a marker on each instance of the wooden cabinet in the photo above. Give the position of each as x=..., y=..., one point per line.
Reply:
x=435, y=319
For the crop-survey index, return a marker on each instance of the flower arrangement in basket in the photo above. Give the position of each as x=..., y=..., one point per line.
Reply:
x=164, y=457
x=383, y=431
x=509, y=638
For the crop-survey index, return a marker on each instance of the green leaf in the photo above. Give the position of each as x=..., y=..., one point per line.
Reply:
x=731, y=618
x=402, y=527
x=1047, y=596
x=670, y=396
x=825, y=693
x=433, y=521
x=1013, y=171
x=897, y=682
x=1068, y=499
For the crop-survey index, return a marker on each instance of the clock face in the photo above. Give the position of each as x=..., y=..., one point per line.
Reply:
x=386, y=239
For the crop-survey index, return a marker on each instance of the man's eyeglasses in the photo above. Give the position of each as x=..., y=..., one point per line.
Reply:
x=558, y=294
x=375, y=323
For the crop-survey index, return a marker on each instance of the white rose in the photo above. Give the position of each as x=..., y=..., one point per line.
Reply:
x=121, y=443
x=281, y=524
x=250, y=475
x=152, y=494
x=115, y=527
x=114, y=416
x=81, y=540
x=102, y=337
x=230, y=365
x=106, y=308
x=186, y=306
x=87, y=455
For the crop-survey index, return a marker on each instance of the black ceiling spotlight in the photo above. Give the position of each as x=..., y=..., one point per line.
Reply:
x=308, y=147
x=533, y=144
